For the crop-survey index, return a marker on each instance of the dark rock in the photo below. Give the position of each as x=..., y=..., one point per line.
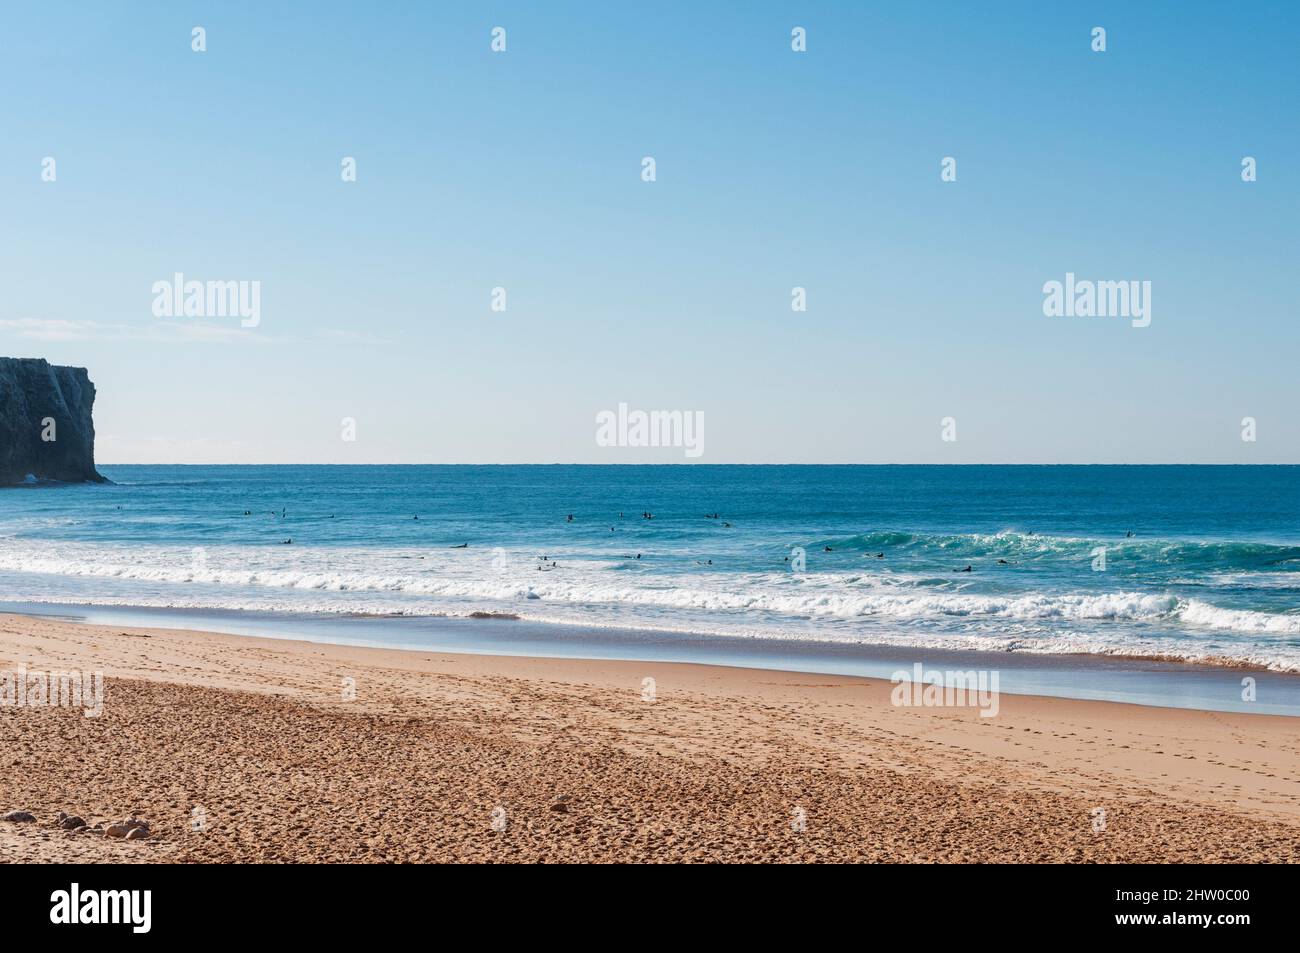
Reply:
x=31, y=390
x=70, y=822
x=19, y=817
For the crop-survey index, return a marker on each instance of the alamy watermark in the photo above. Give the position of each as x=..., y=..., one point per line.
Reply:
x=178, y=298
x=130, y=907
x=1076, y=298
x=655, y=428
x=27, y=689
x=922, y=688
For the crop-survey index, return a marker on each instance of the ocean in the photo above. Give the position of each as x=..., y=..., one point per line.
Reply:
x=796, y=555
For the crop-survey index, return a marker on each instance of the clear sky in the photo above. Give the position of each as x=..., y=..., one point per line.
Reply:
x=775, y=169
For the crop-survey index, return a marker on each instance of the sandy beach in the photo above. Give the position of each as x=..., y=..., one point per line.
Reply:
x=305, y=752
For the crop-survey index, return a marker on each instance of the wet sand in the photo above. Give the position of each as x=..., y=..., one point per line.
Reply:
x=299, y=751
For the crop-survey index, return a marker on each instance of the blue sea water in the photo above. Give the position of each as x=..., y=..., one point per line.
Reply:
x=1211, y=571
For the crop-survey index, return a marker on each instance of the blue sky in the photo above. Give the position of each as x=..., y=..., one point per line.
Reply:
x=775, y=169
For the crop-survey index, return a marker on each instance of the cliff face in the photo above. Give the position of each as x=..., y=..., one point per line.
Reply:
x=46, y=428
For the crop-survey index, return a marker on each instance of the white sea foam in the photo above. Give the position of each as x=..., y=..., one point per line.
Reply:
x=432, y=582
x=1238, y=620
x=999, y=637
x=1254, y=580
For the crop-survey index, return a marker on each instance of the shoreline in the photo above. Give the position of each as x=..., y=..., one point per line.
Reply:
x=724, y=763
x=1143, y=680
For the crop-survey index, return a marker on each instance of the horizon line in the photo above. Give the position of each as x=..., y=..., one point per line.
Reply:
x=664, y=464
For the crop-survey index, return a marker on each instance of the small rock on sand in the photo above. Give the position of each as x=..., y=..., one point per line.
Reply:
x=20, y=817
x=137, y=833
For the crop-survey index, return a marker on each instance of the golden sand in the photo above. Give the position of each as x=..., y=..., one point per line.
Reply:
x=442, y=757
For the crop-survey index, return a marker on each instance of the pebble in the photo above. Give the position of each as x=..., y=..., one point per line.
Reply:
x=20, y=817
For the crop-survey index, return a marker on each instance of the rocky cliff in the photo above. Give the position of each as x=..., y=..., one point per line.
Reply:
x=46, y=430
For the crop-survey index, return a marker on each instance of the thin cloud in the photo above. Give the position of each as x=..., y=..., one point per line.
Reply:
x=358, y=337
x=165, y=331
x=178, y=332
